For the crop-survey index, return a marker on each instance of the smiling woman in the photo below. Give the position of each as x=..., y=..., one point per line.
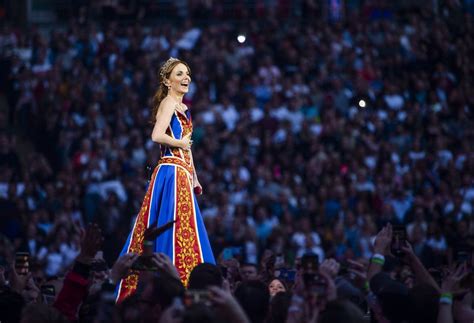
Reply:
x=173, y=184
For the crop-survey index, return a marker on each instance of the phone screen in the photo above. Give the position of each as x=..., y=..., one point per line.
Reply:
x=231, y=252
x=49, y=293
x=287, y=275
x=315, y=283
x=196, y=296
x=310, y=263
x=399, y=237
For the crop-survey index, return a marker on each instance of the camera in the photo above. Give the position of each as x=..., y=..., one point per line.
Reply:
x=144, y=263
x=197, y=296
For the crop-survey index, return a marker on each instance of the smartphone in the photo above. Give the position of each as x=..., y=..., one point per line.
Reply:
x=231, y=252
x=224, y=271
x=310, y=263
x=315, y=283
x=49, y=293
x=344, y=268
x=22, y=263
x=287, y=275
x=197, y=296
x=399, y=238
x=99, y=266
x=144, y=263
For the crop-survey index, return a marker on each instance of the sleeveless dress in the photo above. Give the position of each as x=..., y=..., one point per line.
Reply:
x=170, y=196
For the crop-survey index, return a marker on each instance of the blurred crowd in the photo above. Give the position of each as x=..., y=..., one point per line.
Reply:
x=310, y=135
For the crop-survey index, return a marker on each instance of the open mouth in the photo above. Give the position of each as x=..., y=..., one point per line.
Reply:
x=185, y=84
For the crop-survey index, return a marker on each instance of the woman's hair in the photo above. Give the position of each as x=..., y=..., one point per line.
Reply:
x=162, y=92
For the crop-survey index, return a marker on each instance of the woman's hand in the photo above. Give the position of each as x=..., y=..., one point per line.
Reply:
x=197, y=186
x=383, y=240
x=450, y=283
x=186, y=142
x=164, y=263
x=223, y=298
x=122, y=265
x=330, y=267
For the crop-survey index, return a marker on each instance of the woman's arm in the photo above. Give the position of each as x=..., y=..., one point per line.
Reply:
x=163, y=118
x=194, y=167
x=196, y=185
x=448, y=286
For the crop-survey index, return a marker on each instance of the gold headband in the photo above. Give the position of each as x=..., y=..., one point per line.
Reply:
x=166, y=65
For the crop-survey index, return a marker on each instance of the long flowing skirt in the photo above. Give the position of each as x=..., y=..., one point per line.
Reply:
x=170, y=197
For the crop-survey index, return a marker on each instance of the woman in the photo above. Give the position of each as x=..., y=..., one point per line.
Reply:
x=173, y=185
x=276, y=286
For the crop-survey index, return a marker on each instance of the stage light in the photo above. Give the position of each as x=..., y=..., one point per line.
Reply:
x=241, y=39
x=362, y=103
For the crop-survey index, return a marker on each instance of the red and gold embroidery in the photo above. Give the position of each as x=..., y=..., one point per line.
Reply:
x=129, y=284
x=187, y=251
x=176, y=161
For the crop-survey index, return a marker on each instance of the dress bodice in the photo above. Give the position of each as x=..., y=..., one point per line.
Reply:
x=180, y=125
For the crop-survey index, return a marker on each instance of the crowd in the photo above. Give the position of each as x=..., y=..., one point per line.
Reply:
x=309, y=137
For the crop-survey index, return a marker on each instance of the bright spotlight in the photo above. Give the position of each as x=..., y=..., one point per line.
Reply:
x=362, y=103
x=241, y=39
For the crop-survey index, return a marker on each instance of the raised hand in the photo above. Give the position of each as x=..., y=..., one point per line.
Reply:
x=122, y=265
x=451, y=282
x=331, y=293
x=383, y=240
x=163, y=262
x=224, y=298
x=18, y=282
x=330, y=267
x=359, y=272
x=91, y=242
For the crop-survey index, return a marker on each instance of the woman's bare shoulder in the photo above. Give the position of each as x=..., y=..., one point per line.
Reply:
x=167, y=105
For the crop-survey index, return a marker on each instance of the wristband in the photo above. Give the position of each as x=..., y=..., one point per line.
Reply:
x=378, y=259
x=445, y=300
x=294, y=309
x=447, y=295
x=379, y=256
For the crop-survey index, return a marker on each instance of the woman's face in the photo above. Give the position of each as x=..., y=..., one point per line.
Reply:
x=275, y=287
x=179, y=79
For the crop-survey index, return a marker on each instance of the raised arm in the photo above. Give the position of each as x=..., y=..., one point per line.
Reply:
x=421, y=274
x=381, y=249
x=163, y=118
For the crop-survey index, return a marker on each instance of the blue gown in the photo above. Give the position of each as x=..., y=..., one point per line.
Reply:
x=170, y=196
